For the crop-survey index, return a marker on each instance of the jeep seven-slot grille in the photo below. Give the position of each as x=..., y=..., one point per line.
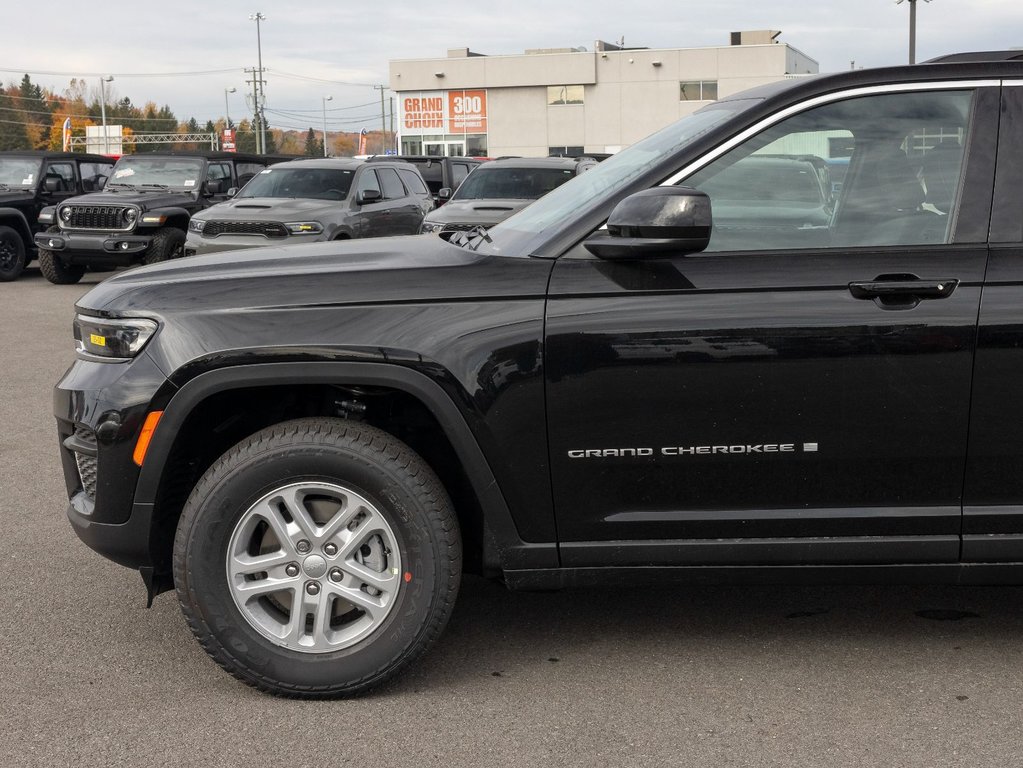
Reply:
x=96, y=217
x=264, y=228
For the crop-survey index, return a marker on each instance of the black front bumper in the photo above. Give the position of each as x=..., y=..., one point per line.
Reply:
x=114, y=249
x=100, y=408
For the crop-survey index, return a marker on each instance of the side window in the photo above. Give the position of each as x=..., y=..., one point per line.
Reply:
x=368, y=181
x=874, y=170
x=413, y=182
x=219, y=172
x=94, y=175
x=458, y=173
x=392, y=188
x=64, y=174
x=246, y=172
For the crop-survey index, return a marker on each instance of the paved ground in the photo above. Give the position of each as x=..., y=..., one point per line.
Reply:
x=655, y=677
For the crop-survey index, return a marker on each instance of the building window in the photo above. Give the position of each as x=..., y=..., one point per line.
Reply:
x=564, y=94
x=564, y=151
x=698, y=90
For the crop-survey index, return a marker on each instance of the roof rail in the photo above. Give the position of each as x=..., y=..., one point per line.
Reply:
x=977, y=56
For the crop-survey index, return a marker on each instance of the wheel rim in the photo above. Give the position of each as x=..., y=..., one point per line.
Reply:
x=8, y=252
x=314, y=567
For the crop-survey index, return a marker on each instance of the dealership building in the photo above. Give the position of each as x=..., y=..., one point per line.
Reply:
x=571, y=100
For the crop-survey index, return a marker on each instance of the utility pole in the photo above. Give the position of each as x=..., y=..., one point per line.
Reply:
x=383, y=120
x=325, y=100
x=258, y=17
x=260, y=148
x=103, y=111
x=912, y=27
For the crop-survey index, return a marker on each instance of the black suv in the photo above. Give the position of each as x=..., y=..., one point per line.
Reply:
x=607, y=387
x=306, y=201
x=142, y=213
x=29, y=181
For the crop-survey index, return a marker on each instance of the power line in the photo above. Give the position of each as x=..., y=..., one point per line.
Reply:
x=317, y=79
x=121, y=74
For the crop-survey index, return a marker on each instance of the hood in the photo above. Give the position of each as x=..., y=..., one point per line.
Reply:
x=415, y=268
x=147, y=200
x=12, y=196
x=482, y=212
x=269, y=209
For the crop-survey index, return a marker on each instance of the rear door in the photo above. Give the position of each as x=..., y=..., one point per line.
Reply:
x=800, y=392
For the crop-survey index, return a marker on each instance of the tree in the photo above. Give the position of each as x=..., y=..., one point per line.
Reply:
x=12, y=126
x=313, y=148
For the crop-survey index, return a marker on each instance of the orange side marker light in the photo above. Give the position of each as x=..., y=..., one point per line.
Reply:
x=145, y=436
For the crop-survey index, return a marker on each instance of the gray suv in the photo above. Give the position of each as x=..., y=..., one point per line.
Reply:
x=314, y=200
x=496, y=190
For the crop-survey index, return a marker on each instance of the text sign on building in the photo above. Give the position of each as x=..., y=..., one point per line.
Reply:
x=439, y=112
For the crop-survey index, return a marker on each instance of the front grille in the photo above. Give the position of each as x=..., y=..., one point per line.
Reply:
x=87, y=465
x=454, y=227
x=264, y=228
x=96, y=217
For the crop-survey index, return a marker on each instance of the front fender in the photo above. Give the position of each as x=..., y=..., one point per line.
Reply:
x=514, y=553
x=12, y=217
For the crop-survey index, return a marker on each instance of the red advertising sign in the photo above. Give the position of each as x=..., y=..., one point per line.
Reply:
x=227, y=141
x=467, y=111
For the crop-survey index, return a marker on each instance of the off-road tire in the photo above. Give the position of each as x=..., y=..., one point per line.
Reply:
x=383, y=470
x=166, y=244
x=12, y=255
x=55, y=270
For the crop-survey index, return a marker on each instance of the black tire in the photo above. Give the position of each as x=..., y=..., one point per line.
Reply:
x=369, y=462
x=55, y=270
x=167, y=244
x=12, y=255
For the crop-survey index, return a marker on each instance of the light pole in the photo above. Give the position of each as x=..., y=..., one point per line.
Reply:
x=912, y=27
x=325, y=100
x=258, y=17
x=103, y=110
x=227, y=107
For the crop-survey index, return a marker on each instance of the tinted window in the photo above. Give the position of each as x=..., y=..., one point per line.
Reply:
x=305, y=183
x=512, y=183
x=368, y=181
x=393, y=190
x=93, y=174
x=218, y=171
x=901, y=156
x=413, y=182
x=65, y=175
x=458, y=172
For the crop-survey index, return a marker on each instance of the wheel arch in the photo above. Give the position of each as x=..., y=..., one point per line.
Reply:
x=171, y=467
x=15, y=219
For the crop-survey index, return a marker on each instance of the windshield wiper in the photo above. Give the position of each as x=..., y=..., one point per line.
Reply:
x=4, y=187
x=155, y=186
x=471, y=239
x=119, y=184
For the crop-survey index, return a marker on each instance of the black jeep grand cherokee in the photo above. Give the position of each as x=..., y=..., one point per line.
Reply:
x=618, y=383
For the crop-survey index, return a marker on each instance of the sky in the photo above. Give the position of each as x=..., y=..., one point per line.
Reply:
x=186, y=54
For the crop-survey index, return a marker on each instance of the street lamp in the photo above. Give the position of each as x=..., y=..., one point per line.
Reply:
x=227, y=108
x=103, y=110
x=325, y=100
x=258, y=17
x=912, y=27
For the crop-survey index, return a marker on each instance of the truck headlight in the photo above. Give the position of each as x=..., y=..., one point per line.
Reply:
x=117, y=339
x=65, y=214
x=430, y=226
x=304, y=227
x=196, y=225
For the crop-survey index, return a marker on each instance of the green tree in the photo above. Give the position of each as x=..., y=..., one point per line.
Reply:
x=313, y=147
x=12, y=124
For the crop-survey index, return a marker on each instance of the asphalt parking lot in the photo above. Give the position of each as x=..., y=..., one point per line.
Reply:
x=761, y=676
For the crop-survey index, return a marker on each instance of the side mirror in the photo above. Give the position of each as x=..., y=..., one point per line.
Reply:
x=232, y=192
x=662, y=221
x=212, y=187
x=368, y=196
x=101, y=181
x=51, y=184
x=445, y=193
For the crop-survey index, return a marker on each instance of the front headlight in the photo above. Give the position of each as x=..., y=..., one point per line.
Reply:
x=304, y=227
x=196, y=225
x=131, y=215
x=118, y=339
x=430, y=226
x=65, y=214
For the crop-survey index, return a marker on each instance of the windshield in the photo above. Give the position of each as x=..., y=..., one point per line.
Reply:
x=522, y=232
x=138, y=171
x=311, y=183
x=19, y=171
x=511, y=183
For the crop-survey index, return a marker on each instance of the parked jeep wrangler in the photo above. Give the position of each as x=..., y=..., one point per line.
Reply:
x=142, y=213
x=29, y=181
x=611, y=386
x=443, y=175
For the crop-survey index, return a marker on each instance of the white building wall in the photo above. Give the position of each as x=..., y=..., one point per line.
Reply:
x=628, y=94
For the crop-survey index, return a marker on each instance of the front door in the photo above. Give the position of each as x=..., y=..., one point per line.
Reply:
x=444, y=148
x=800, y=391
